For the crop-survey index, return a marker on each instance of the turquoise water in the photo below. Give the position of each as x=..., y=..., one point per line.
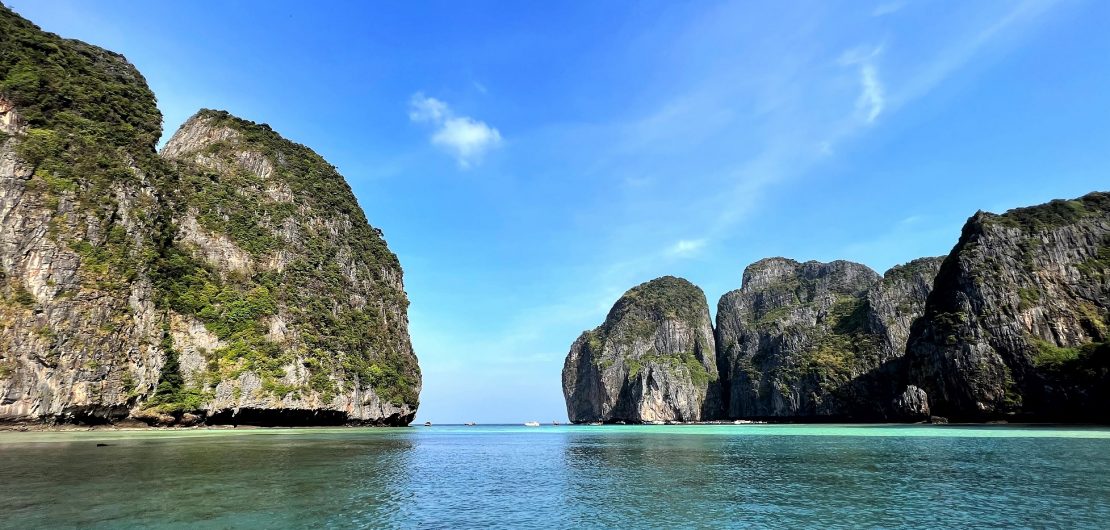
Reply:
x=785, y=476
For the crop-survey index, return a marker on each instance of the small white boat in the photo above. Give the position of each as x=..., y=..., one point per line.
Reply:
x=531, y=424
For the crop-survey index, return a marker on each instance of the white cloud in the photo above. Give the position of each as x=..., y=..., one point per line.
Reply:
x=425, y=109
x=888, y=8
x=465, y=138
x=685, y=247
x=913, y=219
x=872, y=97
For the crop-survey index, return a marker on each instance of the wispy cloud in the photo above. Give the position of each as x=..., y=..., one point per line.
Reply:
x=795, y=108
x=871, y=100
x=913, y=219
x=465, y=138
x=685, y=247
x=960, y=52
x=701, y=154
x=888, y=8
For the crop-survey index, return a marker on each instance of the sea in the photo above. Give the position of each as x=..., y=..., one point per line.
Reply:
x=611, y=476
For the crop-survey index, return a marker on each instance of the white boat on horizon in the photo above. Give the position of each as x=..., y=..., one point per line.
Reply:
x=531, y=424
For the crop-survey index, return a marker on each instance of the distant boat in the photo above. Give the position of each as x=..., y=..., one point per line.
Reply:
x=595, y=423
x=470, y=424
x=555, y=423
x=531, y=424
x=427, y=424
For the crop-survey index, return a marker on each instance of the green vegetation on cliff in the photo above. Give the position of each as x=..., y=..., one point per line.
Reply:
x=1055, y=213
x=90, y=126
x=845, y=347
x=172, y=395
x=321, y=298
x=668, y=296
x=287, y=202
x=71, y=87
x=651, y=303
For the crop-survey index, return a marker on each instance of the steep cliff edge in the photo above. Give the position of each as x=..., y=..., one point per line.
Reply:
x=1017, y=322
x=79, y=211
x=814, y=339
x=651, y=360
x=280, y=294
x=233, y=279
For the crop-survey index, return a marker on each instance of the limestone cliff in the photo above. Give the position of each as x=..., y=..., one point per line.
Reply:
x=1017, y=323
x=1013, y=324
x=651, y=360
x=814, y=339
x=280, y=294
x=233, y=279
x=78, y=217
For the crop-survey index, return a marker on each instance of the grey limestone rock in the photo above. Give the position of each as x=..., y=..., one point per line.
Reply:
x=1017, y=323
x=651, y=360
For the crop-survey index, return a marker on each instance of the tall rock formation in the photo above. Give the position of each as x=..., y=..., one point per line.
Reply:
x=806, y=340
x=79, y=215
x=652, y=359
x=1017, y=322
x=233, y=279
x=1013, y=323
x=280, y=294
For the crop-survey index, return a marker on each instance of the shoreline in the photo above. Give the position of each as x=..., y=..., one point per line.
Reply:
x=33, y=427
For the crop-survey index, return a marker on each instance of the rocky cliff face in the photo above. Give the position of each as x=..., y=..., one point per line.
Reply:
x=814, y=339
x=652, y=359
x=281, y=295
x=78, y=202
x=233, y=279
x=1013, y=323
x=1018, y=319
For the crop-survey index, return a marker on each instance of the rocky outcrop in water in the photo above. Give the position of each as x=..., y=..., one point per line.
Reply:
x=234, y=279
x=814, y=339
x=652, y=359
x=1017, y=323
x=1013, y=324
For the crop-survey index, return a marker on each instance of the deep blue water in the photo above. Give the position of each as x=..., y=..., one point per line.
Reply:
x=786, y=476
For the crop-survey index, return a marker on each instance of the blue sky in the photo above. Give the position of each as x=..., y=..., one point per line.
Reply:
x=529, y=162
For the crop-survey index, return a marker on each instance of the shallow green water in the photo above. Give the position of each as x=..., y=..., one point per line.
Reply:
x=644, y=476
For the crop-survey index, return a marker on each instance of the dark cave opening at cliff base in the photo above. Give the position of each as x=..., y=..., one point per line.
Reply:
x=279, y=418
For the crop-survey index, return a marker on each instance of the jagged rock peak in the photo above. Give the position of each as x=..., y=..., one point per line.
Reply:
x=205, y=128
x=841, y=274
x=1017, y=321
x=808, y=339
